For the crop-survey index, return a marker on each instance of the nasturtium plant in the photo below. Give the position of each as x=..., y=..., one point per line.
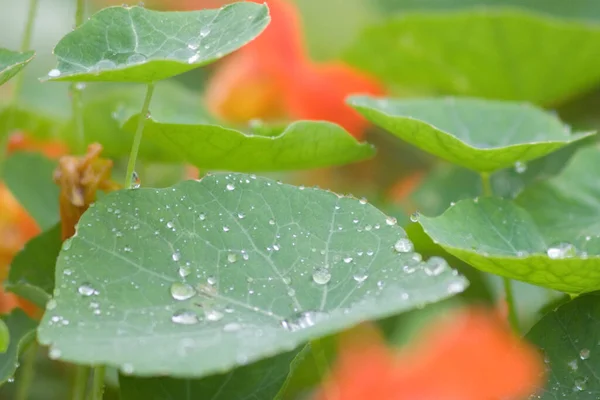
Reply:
x=216, y=273
x=497, y=53
x=12, y=62
x=484, y=136
x=135, y=44
x=548, y=236
x=182, y=211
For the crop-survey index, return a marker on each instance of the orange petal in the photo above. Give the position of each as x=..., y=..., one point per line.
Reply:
x=320, y=92
x=51, y=148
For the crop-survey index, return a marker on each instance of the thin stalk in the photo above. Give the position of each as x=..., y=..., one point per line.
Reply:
x=76, y=89
x=513, y=318
x=18, y=81
x=98, y=382
x=82, y=375
x=486, y=184
x=27, y=371
x=137, y=139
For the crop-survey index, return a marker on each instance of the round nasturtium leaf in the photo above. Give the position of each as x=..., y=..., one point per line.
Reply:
x=134, y=44
x=569, y=337
x=550, y=237
x=507, y=53
x=300, y=145
x=481, y=135
x=207, y=275
x=11, y=62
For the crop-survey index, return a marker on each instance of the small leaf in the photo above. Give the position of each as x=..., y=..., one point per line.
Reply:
x=569, y=337
x=549, y=239
x=22, y=333
x=234, y=268
x=507, y=54
x=4, y=336
x=11, y=62
x=301, y=145
x=31, y=273
x=260, y=380
x=134, y=44
x=480, y=135
x=29, y=178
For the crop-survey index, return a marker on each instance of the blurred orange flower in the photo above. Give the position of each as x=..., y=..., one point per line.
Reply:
x=273, y=78
x=470, y=355
x=80, y=178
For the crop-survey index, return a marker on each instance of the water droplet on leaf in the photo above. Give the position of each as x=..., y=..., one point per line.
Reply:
x=403, y=245
x=185, y=317
x=182, y=291
x=321, y=276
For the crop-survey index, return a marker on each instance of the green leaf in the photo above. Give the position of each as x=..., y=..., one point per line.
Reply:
x=301, y=145
x=4, y=336
x=549, y=239
x=11, y=62
x=22, y=333
x=480, y=135
x=260, y=380
x=134, y=44
x=105, y=110
x=31, y=273
x=260, y=269
x=569, y=337
x=34, y=122
x=29, y=178
x=507, y=54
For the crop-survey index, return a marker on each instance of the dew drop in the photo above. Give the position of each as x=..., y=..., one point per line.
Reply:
x=435, y=266
x=348, y=260
x=135, y=180
x=584, y=354
x=230, y=187
x=54, y=353
x=231, y=258
x=241, y=215
x=67, y=244
x=456, y=287
x=232, y=327
x=54, y=73
x=287, y=280
x=86, y=290
x=202, y=216
x=51, y=305
x=414, y=217
x=182, y=291
x=185, y=317
x=184, y=271
x=391, y=221
x=291, y=292
x=136, y=59
x=204, y=32
x=360, y=276
x=303, y=320
x=127, y=369
x=321, y=276
x=211, y=280
x=561, y=250
x=580, y=385
x=213, y=315
x=176, y=256
x=573, y=365
x=225, y=229
x=271, y=222
x=403, y=245
x=520, y=167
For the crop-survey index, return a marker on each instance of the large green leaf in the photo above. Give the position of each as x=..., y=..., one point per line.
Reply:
x=476, y=134
x=134, y=44
x=550, y=238
x=29, y=178
x=570, y=339
x=301, y=145
x=505, y=54
x=31, y=273
x=11, y=62
x=220, y=272
x=22, y=333
x=260, y=380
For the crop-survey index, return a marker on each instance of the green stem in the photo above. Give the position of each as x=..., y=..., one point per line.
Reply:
x=18, y=82
x=137, y=139
x=319, y=357
x=76, y=90
x=98, y=382
x=513, y=318
x=82, y=374
x=486, y=184
x=27, y=371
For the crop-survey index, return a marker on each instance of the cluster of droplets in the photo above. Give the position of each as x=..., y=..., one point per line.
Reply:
x=563, y=250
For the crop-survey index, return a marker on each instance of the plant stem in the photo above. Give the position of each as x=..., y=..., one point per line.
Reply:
x=137, y=139
x=82, y=374
x=27, y=372
x=76, y=95
x=513, y=318
x=18, y=81
x=98, y=382
x=486, y=184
